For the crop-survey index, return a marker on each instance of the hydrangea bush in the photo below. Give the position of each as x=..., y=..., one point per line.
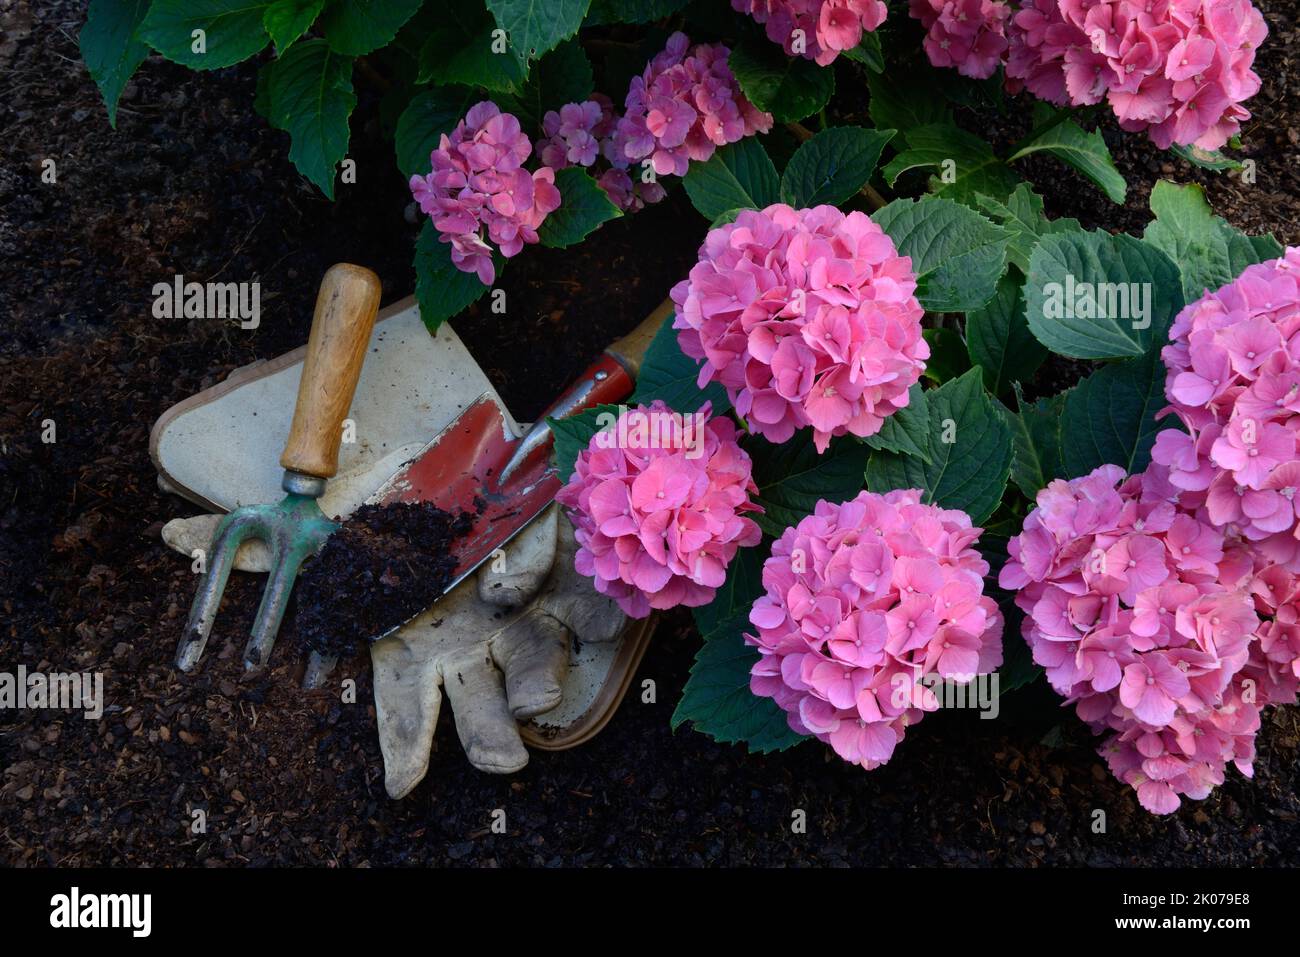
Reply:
x=865, y=601
x=479, y=183
x=611, y=97
x=1178, y=69
x=660, y=515
x=1164, y=608
x=684, y=106
x=1144, y=622
x=1234, y=381
x=585, y=134
x=969, y=35
x=807, y=318
x=875, y=331
x=819, y=30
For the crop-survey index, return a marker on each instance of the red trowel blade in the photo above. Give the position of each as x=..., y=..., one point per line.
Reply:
x=459, y=472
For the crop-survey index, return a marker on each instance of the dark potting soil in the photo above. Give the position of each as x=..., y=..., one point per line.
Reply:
x=193, y=182
x=380, y=568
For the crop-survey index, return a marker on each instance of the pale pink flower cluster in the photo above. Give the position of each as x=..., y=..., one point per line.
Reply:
x=868, y=605
x=1145, y=619
x=967, y=34
x=584, y=134
x=684, y=106
x=806, y=317
x=1179, y=69
x=817, y=30
x=478, y=182
x=1234, y=380
x=659, y=507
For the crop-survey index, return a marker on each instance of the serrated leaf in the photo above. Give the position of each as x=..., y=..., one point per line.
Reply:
x=287, y=20
x=1208, y=252
x=1084, y=151
x=309, y=96
x=110, y=48
x=1091, y=295
x=459, y=49
x=1110, y=417
x=441, y=289
x=1022, y=215
x=868, y=53
x=905, y=106
x=999, y=341
x=832, y=166
x=358, y=27
x=1036, y=447
x=723, y=219
x=562, y=76
x=669, y=374
x=790, y=88
x=583, y=207
x=792, y=477
x=717, y=700
x=232, y=31
x=965, y=163
x=907, y=431
x=957, y=254
x=1206, y=159
x=970, y=471
x=573, y=433
x=737, y=176
x=631, y=11
x=535, y=27
x=430, y=113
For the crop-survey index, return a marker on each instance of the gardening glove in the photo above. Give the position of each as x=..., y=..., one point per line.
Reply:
x=499, y=644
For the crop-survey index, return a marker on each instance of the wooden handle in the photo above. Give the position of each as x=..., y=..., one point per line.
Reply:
x=340, y=332
x=631, y=349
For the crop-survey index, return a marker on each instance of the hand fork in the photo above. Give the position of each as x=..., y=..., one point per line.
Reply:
x=295, y=528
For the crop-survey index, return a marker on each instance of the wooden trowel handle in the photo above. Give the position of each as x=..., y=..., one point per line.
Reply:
x=340, y=332
x=631, y=349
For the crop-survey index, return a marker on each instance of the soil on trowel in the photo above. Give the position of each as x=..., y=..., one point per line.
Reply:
x=385, y=564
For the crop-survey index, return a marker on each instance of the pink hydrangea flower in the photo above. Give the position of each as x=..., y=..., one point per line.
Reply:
x=1147, y=620
x=967, y=34
x=660, y=507
x=575, y=132
x=586, y=134
x=478, y=182
x=1234, y=381
x=1179, y=69
x=818, y=30
x=868, y=604
x=806, y=317
x=683, y=107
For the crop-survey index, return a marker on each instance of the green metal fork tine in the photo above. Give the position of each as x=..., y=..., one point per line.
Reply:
x=233, y=530
x=285, y=563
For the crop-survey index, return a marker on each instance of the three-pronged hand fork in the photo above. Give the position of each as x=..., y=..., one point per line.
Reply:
x=295, y=528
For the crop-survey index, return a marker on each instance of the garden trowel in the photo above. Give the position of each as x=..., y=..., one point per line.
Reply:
x=295, y=528
x=477, y=464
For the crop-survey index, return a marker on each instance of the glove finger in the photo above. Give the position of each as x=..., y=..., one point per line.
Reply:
x=186, y=534
x=513, y=577
x=534, y=654
x=407, y=702
x=570, y=597
x=486, y=729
